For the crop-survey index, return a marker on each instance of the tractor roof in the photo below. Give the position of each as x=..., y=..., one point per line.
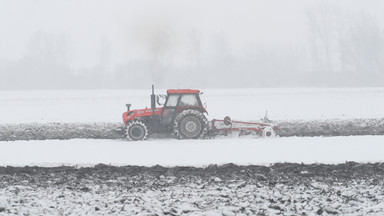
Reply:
x=182, y=91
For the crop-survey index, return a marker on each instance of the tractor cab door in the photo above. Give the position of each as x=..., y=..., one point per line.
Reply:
x=169, y=110
x=176, y=103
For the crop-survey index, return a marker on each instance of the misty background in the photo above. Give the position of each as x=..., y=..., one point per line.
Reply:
x=122, y=44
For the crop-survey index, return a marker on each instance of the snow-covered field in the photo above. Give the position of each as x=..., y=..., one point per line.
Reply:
x=228, y=190
x=169, y=152
x=328, y=187
x=242, y=104
x=18, y=107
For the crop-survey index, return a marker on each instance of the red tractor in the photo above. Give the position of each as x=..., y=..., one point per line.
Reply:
x=184, y=116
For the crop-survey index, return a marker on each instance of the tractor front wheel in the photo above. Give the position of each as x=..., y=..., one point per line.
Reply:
x=190, y=124
x=137, y=131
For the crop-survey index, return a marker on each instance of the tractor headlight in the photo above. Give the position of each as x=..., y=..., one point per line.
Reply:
x=129, y=113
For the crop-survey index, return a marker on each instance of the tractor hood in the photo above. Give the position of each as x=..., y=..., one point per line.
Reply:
x=132, y=114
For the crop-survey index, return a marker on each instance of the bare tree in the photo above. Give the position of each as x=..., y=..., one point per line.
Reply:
x=3, y=74
x=46, y=65
x=346, y=48
x=324, y=27
x=366, y=41
x=195, y=48
x=105, y=70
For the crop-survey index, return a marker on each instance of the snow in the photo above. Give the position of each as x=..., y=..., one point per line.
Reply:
x=90, y=106
x=170, y=152
x=91, y=192
x=241, y=104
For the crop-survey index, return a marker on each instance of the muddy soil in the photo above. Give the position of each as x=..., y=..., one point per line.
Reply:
x=280, y=189
x=61, y=131
x=334, y=127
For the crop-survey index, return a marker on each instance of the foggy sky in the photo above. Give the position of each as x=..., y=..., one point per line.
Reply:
x=172, y=34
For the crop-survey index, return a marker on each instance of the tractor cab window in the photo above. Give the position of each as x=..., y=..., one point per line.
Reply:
x=188, y=100
x=172, y=100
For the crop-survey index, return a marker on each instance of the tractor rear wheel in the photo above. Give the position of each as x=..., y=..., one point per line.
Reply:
x=137, y=131
x=268, y=132
x=190, y=124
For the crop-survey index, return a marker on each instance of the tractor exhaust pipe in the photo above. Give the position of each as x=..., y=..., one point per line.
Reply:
x=128, y=106
x=153, y=98
x=153, y=101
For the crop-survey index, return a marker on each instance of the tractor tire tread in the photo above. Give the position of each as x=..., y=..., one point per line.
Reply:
x=137, y=123
x=198, y=115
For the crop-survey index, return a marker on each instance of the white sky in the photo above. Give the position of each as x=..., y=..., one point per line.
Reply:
x=126, y=24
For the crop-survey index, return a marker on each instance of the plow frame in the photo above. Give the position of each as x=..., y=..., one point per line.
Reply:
x=217, y=126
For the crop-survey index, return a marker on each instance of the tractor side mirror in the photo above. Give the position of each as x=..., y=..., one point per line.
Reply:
x=161, y=99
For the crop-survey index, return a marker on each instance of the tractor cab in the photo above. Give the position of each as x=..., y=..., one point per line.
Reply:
x=179, y=100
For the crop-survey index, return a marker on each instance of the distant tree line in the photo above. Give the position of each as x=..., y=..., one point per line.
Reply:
x=344, y=49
